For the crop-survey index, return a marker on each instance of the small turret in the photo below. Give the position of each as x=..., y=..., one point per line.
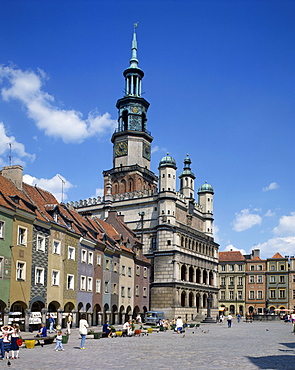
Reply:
x=187, y=179
x=205, y=194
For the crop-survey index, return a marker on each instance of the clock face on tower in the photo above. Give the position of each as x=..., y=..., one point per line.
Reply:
x=146, y=151
x=121, y=148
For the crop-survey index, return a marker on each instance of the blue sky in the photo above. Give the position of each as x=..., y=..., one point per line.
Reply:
x=219, y=76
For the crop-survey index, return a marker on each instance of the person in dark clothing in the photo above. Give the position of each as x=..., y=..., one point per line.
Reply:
x=107, y=329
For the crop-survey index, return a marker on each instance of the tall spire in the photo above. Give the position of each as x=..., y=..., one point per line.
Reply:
x=134, y=60
x=133, y=74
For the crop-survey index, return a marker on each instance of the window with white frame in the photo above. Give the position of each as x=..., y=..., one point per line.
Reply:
x=240, y=268
x=83, y=256
x=82, y=282
x=144, y=292
x=231, y=280
x=129, y=292
x=222, y=295
x=129, y=271
x=123, y=270
x=22, y=236
x=40, y=243
x=137, y=270
x=272, y=279
x=55, y=278
x=145, y=272
x=251, y=279
x=222, y=267
x=293, y=278
x=106, y=287
x=122, y=291
x=251, y=294
x=108, y=264
x=90, y=258
x=259, y=279
x=115, y=269
x=71, y=253
x=89, y=284
x=70, y=282
x=137, y=290
x=98, y=286
x=240, y=295
x=2, y=224
x=222, y=280
x=240, y=280
x=20, y=270
x=39, y=276
x=272, y=293
x=282, y=293
x=115, y=288
x=56, y=247
x=259, y=267
x=282, y=278
x=1, y=267
x=272, y=268
x=98, y=259
x=231, y=267
x=252, y=268
x=231, y=294
x=259, y=294
x=282, y=267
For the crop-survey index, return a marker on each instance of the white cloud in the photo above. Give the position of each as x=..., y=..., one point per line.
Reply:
x=286, y=226
x=284, y=239
x=269, y=213
x=98, y=193
x=26, y=86
x=231, y=248
x=53, y=185
x=271, y=186
x=17, y=149
x=245, y=220
x=285, y=246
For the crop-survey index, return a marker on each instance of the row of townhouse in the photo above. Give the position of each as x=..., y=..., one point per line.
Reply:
x=54, y=260
x=251, y=285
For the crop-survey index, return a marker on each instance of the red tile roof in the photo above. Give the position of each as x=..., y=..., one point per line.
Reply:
x=277, y=255
x=231, y=256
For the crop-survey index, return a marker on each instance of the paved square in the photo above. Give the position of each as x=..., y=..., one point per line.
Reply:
x=257, y=345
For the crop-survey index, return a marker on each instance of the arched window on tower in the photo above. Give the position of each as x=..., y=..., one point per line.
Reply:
x=143, y=121
x=115, y=188
x=125, y=119
x=123, y=186
x=130, y=185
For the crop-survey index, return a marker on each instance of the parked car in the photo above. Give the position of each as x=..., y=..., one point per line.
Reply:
x=153, y=317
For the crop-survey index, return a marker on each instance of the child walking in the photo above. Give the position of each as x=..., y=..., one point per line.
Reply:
x=58, y=341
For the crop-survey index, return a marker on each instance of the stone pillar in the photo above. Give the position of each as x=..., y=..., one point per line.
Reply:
x=6, y=316
x=27, y=319
x=89, y=318
x=44, y=315
x=99, y=318
x=59, y=316
x=74, y=316
x=108, y=315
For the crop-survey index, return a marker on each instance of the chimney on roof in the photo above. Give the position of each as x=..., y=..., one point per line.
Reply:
x=121, y=217
x=255, y=253
x=14, y=174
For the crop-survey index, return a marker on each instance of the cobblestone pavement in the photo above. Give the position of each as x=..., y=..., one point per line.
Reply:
x=257, y=345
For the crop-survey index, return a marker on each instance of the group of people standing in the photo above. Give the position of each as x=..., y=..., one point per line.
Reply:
x=10, y=341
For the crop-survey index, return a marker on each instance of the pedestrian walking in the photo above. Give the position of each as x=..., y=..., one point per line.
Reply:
x=15, y=336
x=51, y=323
x=238, y=317
x=59, y=342
x=229, y=320
x=69, y=323
x=83, y=325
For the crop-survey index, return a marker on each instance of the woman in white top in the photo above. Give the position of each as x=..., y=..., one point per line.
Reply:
x=83, y=325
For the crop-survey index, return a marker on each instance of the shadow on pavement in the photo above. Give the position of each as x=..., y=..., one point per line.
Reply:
x=282, y=362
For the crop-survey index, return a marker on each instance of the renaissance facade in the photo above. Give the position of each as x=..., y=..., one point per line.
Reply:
x=175, y=226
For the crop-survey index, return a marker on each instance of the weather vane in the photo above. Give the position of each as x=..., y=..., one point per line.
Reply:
x=135, y=25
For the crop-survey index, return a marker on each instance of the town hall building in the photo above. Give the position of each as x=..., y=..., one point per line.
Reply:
x=174, y=225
